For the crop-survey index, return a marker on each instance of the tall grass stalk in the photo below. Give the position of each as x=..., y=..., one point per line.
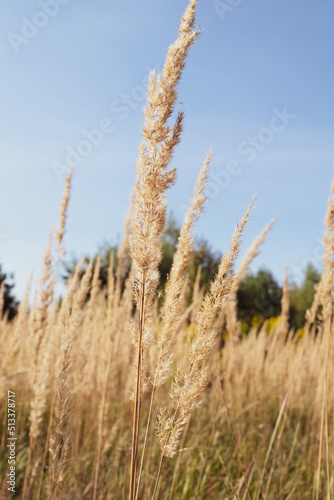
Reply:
x=149, y=209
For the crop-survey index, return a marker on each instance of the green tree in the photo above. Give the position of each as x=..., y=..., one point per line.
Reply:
x=104, y=251
x=302, y=297
x=209, y=260
x=259, y=295
x=10, y=303
x=169, y=245
x=202, y=255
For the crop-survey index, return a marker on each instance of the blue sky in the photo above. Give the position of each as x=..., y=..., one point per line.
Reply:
x=258, y=89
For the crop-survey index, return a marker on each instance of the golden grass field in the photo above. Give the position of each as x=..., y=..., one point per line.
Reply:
x=116, y=395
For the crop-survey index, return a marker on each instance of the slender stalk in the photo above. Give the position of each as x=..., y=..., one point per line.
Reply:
x=229, y=479
x=148, y=425
x=320, y=444
x=158, y=476
x=26, y=475
x=136, y=410
x=177, y=465
x=46, y=449
x=273, y=436
x=236, y=445
x=166, y=442
x=103, y=406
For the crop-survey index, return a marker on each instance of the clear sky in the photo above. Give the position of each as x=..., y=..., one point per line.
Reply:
x=258, y=88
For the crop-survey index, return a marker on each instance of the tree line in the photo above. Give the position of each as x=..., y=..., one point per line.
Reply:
x=259, y=295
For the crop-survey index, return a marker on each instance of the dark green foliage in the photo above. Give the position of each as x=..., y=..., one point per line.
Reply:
x=10, y=303
x=202, y=255
x=259, y=295
x=169, y=245
x=207, y=259
x=302, y=297
x=104, y=251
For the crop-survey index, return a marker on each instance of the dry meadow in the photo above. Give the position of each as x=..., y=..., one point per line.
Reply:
x=124, y=393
